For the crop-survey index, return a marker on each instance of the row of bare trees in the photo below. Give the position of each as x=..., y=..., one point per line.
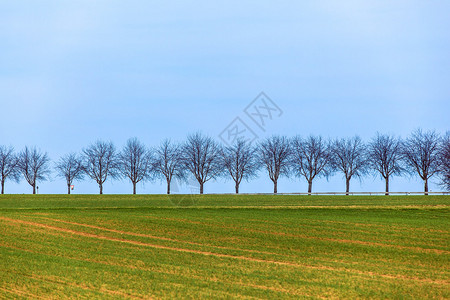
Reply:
x=202, y=158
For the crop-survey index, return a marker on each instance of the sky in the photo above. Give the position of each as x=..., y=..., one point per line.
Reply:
x=72, y=72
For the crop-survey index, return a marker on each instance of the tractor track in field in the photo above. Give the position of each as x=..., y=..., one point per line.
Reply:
x=60, y=281
x=337, y=240
x=59, y=234
x=395, y=228
x=438, y=251
x=20, y=293
x=221, y=255
x=163, y=238
x=107, y=263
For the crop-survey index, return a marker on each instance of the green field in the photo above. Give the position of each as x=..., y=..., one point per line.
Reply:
x=224, y=246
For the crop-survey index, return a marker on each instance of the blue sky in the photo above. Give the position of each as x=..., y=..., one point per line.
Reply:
x=72, y=72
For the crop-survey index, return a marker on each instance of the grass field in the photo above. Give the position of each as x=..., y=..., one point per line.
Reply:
x=224, y=246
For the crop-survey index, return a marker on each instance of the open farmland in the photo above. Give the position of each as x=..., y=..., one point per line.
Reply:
x=224, y=246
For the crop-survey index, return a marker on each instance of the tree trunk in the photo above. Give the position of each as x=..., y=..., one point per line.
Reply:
x=275, y=187
x=134, y=188
x=68, y=189
x=201, y=188
x=309, y=187
x=34, y=189
x=426, y=186
x=168, y=186
x=101, y=188
x=387, y=186
x=3, y=187
x=237, y=188
x=347, y=186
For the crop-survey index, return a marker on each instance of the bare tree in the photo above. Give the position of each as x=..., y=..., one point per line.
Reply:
x=349, y=157
x=100, y=162
x=241, y=162
x=385, y=153
x=310, y=158
x=70, y=167
x=421, y=154
x=135, y=162
x=274, y=155
x=444, y=159
x=8, y=166
x=168, y=162
x=34, y=166
x=201, y=157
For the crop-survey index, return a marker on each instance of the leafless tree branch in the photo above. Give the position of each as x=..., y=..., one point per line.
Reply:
x=100, y=162
x=421, y=154
x=8, y=166
x=274, y=154
x=349, y=157
x=444, y=162
x=70, y=167
x=201, y=157
x=34, y=166
x=168, y=162
x=310, y=158
x=135, y=162
x=241, y=162
x=385, y=156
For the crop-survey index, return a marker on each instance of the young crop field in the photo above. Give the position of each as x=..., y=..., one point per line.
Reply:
x=224, y=246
